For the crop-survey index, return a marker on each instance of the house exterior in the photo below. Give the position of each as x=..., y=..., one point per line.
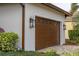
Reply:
x=70, y=23
x=38, y=25
x=69, y=26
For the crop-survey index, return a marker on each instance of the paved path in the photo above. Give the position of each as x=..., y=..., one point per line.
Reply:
x=61, y=49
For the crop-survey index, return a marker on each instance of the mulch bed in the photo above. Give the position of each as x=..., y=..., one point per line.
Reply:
x=71, y=42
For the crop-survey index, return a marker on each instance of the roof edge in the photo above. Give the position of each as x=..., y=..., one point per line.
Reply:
x=57, y=8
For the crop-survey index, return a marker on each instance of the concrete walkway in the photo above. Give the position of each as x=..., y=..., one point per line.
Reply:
x=61, y=49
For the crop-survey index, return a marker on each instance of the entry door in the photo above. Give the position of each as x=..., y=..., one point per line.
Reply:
x=47, y=33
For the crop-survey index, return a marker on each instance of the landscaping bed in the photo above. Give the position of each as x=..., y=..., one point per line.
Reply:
x=74, y=53
x=9, y=43
x=73, y=37
x=71, y=42
x=27, y=53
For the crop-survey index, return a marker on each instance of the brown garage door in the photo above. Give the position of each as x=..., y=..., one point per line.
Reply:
x=47, y=33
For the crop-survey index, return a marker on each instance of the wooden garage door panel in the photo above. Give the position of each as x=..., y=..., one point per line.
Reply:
x=47, y=33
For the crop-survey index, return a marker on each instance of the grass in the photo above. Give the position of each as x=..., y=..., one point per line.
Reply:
x=27, y=53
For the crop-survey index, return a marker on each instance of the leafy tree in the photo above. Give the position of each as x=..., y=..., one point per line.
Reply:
x=75, y=15
x=74, y=8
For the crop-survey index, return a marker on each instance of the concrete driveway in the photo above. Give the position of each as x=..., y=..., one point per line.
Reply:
x=61, y=49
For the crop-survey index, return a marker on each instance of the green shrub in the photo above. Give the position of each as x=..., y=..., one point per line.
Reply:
x=74, y=37
x=74, y=34
x=8, y=41
x=77, y=26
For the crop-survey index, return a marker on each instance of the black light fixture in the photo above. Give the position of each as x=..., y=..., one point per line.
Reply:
x=64, y=26
x=31, y=23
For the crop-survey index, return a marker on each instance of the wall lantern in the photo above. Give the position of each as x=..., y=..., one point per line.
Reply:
x=64, y=26
x=31, y=23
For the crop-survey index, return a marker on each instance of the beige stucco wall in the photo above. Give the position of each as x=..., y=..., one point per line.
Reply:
x=69, y=26
x=32, y=10
x=11, y=19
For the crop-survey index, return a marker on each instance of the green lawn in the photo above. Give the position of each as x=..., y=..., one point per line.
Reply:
x=27, y=53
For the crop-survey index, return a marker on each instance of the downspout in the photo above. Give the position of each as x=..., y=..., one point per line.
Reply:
x=23, y=24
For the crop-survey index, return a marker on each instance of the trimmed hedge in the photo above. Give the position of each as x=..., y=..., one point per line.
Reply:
x=74, y=34
x=8, y=41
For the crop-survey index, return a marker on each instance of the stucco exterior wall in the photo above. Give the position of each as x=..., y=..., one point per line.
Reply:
x=11, y=19
x=69, y=26
x=32, y=10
